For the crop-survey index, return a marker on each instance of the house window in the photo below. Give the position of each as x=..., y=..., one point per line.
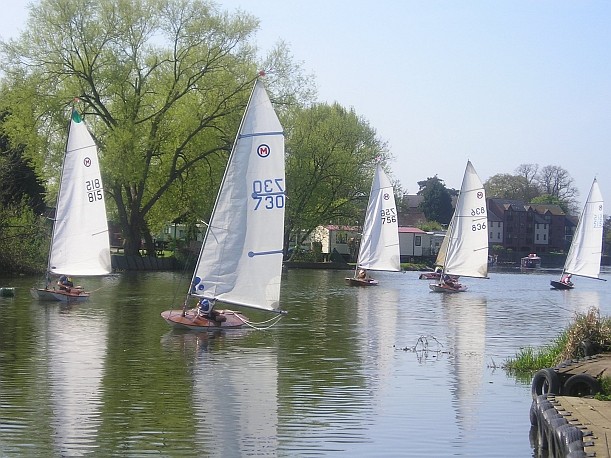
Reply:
x=341, y=238
x=417, y=240
x=544, y=237
x=498, y=235
x=537, y=236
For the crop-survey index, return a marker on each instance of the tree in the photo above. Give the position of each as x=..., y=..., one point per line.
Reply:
x=331, y=155
x=557, y=182
x=162, y=84
x=437, y=200
x=18, y=181
x=506, y=186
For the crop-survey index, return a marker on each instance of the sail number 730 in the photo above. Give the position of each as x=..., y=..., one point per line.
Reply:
x=94, y=190
x=268, y=194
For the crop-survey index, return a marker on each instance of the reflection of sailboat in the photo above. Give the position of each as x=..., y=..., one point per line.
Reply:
x=232, y=418
x=75, y=346
x=80, y=244
x=379, y=247
x=466, y=318
x=467, y=251
x=585, y=252
x=240, y=261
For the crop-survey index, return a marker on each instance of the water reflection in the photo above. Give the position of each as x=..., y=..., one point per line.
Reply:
x=109, y=377
x=72, y=349
x=465, y=317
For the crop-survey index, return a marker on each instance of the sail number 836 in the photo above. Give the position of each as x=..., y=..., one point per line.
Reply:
x=94, y=190
x=479, y=226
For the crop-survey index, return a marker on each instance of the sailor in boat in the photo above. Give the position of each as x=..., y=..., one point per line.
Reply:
x=206, y=310
x=65, y=283
x=451, y=281
x=363, y=275
x=566, y=279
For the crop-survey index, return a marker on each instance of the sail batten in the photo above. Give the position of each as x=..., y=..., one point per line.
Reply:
x=240, y=261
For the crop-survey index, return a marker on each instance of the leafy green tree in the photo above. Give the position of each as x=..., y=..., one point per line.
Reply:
x=550, y=200
x=331, y=155
x=162, y=85
x=18, y=180
x=507, y=186
x=437, y=200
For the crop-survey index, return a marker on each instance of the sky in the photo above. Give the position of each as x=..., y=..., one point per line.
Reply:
x=500, y=83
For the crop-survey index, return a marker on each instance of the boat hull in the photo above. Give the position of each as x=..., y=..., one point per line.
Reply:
x=429, y=276
x=228, y=319
x=560, y=285
x=55, y=295
x=7, y=291
x=350, y=281
x=442, y=288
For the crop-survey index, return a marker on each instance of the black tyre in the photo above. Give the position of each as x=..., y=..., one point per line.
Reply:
x=545, y=381
x=580, y=385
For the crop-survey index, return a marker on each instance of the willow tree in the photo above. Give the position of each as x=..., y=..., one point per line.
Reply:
x=161, y=84
x=331, y=155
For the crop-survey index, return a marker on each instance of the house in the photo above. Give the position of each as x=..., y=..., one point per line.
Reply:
x=414, y=242
x=527, y=227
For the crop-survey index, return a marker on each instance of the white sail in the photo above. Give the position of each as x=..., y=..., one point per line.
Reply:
x=241, y=258
x=467, y=253
x=443, y=249
x=80, y=243
x=585, y=253
x=379, y=248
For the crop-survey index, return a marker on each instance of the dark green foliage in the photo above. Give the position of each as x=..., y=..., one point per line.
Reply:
x=437, y=203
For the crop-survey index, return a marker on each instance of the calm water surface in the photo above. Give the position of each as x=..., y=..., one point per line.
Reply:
x=338, y=376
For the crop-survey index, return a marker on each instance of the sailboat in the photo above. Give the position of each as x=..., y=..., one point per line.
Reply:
x=585, y=252
x=379, y=247
x=80, y=244
x=441, y=257
x=240, y=262
x=467, y=250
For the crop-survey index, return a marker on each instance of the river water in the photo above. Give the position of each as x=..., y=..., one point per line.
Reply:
x=392, y=370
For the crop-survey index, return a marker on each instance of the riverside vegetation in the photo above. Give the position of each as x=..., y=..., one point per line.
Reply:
x=588, y=334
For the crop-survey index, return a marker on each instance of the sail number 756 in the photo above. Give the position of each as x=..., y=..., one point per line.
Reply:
x=388, y=215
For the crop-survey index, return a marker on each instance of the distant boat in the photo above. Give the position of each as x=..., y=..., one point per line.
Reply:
x=467, y=249
x=240, y=261
x=379, y=247
x=585, y=252
x=7, y=291
x=80, y=244
x=532, y=261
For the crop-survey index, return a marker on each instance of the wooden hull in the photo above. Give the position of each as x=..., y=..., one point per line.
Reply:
x=443, y=288
x=57, y=295
x=559, y=285
x=228, y=319
x=351, y=281
x=429, y=276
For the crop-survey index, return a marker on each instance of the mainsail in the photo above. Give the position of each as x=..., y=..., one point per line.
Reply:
x=585, y=252
x=241, y=258
x=379, y=248
x=467, y=252
x=80, y=243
